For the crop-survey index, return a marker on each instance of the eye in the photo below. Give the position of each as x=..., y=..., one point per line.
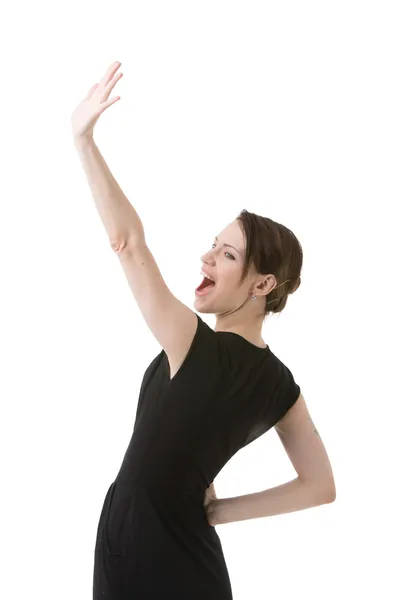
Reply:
x=231, y=255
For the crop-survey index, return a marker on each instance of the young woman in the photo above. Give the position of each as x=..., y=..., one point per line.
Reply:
x=205, y=396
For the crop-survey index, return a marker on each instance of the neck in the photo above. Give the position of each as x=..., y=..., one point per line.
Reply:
x=251, y=331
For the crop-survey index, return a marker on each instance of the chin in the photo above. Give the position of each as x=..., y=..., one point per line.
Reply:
x=201, y=306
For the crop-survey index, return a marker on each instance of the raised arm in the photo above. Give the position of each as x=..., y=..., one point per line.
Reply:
x=116, y=212
x=171, y=322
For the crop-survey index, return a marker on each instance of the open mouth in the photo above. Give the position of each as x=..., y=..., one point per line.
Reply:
x=204, y=284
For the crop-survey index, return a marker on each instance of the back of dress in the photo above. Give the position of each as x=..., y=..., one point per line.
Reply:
x=225, y=395
x=230, y=392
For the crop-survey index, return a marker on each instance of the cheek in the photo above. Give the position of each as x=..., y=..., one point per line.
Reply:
x=229, y=281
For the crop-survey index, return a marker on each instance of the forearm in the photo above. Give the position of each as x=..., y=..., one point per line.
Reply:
x=119, y=218
x=289, y=497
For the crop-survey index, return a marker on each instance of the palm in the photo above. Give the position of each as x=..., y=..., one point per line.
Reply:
x=87, y=113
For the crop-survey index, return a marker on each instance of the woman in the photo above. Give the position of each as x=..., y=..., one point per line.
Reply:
x=205, y=396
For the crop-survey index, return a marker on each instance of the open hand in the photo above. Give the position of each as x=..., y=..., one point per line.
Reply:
x=86, y=114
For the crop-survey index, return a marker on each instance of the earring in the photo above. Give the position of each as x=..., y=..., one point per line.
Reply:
x=254, y=297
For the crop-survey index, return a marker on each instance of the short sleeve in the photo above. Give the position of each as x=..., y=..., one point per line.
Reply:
x=204, y=358
x=277, y=394
x=196, y=378
x=289, y=393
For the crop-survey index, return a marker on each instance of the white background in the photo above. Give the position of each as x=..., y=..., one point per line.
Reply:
x=287, y=109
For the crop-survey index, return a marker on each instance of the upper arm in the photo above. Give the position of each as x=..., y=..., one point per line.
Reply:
x=172, y=323
x=305, y=448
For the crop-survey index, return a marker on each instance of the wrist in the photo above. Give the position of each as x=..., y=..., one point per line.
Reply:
x=217, y=511
x=83, y=141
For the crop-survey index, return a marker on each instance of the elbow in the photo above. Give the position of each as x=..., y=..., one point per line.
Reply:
x=331, y=491
x=331, y=497
x=128, y=243
x=329, y=494
x=324, y=494
x=117, y=245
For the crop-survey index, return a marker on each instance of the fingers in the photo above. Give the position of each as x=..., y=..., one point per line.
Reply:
x=109, y=87
x=90, y=92
x=109, y=73
x=111, y=101
x=105, y=86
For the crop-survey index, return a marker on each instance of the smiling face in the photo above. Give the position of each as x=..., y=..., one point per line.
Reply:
x=224, y=262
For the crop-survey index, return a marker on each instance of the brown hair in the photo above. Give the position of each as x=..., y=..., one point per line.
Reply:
x=272, y=249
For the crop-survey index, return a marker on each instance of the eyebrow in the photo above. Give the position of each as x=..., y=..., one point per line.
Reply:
x=229, y=246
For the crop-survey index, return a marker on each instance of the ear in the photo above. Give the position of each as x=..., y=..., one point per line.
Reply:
x=266, y=285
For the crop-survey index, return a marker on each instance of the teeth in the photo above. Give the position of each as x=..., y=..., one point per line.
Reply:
x=205, y=275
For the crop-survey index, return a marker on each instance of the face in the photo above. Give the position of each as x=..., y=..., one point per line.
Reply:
x=224, y=261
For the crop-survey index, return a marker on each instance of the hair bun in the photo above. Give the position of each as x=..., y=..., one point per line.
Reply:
x=296, y=285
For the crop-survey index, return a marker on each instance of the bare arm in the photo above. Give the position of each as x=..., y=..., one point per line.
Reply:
x=285, y=498
x=305, y=448
x=118, y=215
x=160, y=308
x=119, y=218
x=313, y=486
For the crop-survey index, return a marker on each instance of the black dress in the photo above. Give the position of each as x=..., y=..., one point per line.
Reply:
x=153, y=538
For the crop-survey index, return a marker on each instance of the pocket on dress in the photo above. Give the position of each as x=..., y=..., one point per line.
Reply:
x=117, y=530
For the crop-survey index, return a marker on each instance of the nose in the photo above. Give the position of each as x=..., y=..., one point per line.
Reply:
x=209, y=257
x=205, y=257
